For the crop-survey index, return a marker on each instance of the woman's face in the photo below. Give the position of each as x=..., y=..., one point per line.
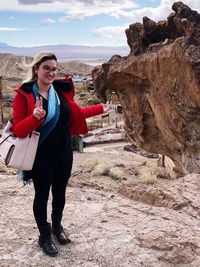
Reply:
x=46, y=72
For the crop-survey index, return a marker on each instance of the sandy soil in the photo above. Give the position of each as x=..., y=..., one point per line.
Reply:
x=118, y=213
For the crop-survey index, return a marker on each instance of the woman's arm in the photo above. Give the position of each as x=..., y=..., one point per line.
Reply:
x=23, y=122
x=96, y=110
x=91, y=111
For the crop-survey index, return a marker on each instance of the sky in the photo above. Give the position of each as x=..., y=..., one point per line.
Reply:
x=77, y=22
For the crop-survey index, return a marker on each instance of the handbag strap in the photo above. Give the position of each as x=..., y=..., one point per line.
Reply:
x=5, y=139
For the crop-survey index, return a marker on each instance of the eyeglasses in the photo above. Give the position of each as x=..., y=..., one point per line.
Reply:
x=48, y=69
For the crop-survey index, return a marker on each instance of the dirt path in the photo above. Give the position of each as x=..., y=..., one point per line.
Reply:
x=115, y=216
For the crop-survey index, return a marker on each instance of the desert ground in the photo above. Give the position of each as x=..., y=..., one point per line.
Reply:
x=120, y=212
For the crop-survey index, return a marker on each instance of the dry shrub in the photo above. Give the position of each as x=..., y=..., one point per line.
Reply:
x=98, y=166
x=148, y=174
x=116, y=173
x=101, y=169
x=91, y=163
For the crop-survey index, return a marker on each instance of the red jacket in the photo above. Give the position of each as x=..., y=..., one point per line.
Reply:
x=23, y=105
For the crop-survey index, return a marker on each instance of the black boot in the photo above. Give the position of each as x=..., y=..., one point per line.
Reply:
x=58, y=231
x=46, y=242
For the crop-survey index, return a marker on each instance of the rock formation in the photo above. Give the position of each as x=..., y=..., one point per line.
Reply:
x=158, y=86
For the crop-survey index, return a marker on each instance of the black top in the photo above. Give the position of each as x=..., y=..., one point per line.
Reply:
x=55, y=152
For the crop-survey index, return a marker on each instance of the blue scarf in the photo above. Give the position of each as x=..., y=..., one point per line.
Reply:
x=53, y=112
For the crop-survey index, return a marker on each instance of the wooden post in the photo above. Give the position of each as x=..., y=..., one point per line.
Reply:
x=116, y=122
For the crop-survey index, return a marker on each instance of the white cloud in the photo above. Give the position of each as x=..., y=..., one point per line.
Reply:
x=12, y=17
x=10, y=29
x=34, y=2
x=83, y=2
x=48, y=21
x=92, y=8
x=113, y=34
x=158, y=13
x=193, y=4
x=123, y=9
x=70, y=7
x=75, y=17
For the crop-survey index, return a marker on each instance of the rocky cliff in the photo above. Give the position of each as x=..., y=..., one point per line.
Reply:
x=158, y=85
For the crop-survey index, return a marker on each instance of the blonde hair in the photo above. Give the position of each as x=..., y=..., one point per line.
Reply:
x=37, y=60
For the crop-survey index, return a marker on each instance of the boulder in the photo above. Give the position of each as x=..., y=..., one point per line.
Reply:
x=158, y=86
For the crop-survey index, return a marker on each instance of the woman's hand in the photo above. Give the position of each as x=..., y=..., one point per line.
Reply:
x=107, y=107
x=38, y=112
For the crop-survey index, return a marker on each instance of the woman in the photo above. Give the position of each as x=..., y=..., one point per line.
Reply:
x=47, y=104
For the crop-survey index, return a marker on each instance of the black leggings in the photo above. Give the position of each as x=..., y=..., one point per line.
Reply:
x=42, y=184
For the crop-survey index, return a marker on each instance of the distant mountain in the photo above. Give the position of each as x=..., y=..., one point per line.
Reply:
x=3, y=45
x=69, y=52
x=14, y=67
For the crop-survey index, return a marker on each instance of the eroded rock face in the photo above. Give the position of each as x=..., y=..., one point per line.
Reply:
x=158, y=85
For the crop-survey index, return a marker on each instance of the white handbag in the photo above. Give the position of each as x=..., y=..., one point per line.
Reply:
x=18, y=153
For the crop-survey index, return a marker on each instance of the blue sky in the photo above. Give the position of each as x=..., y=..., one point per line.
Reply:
x=91, y=22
